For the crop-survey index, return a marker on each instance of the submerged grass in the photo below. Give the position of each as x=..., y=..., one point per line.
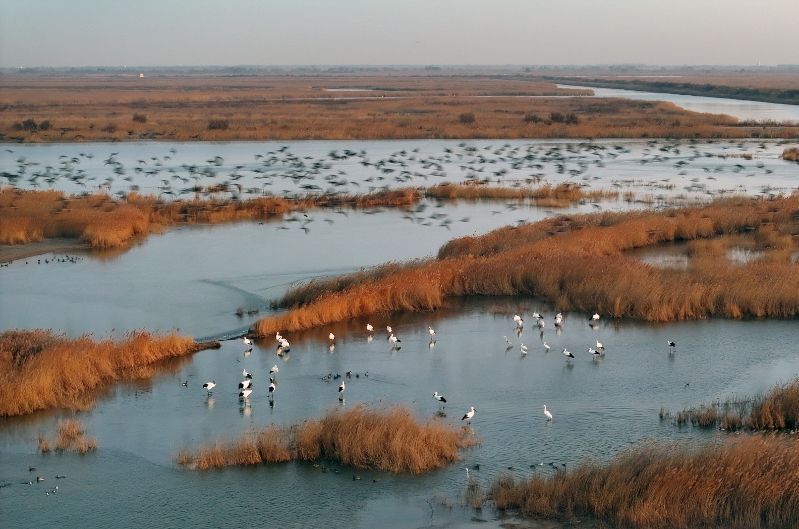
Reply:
x=579, y=263
x=778, y=409
x=70, y=437
x=40, y=369
x=744, y=483
x=391, y=440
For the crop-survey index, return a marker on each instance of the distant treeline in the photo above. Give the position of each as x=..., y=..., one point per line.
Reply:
x=769, y=95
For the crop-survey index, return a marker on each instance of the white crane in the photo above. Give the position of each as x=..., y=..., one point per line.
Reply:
x=547, y=413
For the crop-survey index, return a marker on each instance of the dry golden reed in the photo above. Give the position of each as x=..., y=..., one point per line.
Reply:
x=40, y=369
x=103, y=222
x=391, y=440
x=778, y=410
x=579, y=263
x=791, y=154
x=70, y=437
x=279, y=107
x=745, y=483
x=563, y=195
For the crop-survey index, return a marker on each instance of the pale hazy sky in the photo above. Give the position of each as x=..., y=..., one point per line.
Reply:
x=287, y=32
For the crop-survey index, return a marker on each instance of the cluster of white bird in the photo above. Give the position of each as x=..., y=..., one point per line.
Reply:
x=245, y=386
x=283, y=346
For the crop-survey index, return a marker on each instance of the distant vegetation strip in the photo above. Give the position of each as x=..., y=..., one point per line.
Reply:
x=277, y=107
x=778, y=410
x=579, y=263
x=40, y=369
x=391, y=440
x=104, y=222
x=744, y=483
x=786, y=96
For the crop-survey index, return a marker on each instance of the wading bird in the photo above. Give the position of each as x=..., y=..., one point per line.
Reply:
x=208, y=386
x=547, y=413
x=468, y=416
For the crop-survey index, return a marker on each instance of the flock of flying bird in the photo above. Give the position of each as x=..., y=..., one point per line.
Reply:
x=245, y=387
x=281, y=172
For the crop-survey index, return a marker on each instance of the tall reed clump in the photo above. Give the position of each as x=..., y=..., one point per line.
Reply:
x=777, y=409
x=70, y=437
x=104, y=222
x=391, y=440
x=579, y=263
x=745, y=483
x=40, y=369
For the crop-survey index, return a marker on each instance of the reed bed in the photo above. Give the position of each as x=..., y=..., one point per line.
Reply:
x=563, y=195
x=777, y=409
x=104, y=223
x=791, y=154
x=40, y=369
x=391, y=440
x=281, y=107
x=70, y=437
x=745, y=483
x=579, y=263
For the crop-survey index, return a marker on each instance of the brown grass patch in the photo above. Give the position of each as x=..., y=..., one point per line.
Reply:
x=281, y=107
x=391, y=440
x=579, y=263
x=563, y=195
x=104, y=222
x=745, y=483
x=70, y=437
x=792, y=154
x=777, y=410
x=40, y=369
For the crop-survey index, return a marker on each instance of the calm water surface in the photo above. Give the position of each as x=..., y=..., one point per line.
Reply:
x=739, y=108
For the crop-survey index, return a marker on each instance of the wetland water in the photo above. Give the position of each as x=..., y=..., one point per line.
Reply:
x=195, y=278
x=739, y=108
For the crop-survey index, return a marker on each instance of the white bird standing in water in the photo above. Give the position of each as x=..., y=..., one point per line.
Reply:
x=595, y=317
x=523, y=349
x=331, y=337
x=273, y=373
x=369, y=328
x=272, y=390
x=389, y=330
x=432, y=333
x=208, y=386
x=246, y=374
x=341, y=389
x=546, y=346
x=247, y=342
x=547, y=413
x=672, y=346
x=394, y=341
x=439, y=398
x=568, y=354
x=599, y=346
x=469, y=415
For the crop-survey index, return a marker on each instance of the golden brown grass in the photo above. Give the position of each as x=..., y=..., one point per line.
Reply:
x=183, y=108
x=70, y=437
x=791, y=154
x=745, y=483
x=391, y=440
x=40, y=369
x=103, y=222
x=563, y=195
x=778, y=410
x=579, y=263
